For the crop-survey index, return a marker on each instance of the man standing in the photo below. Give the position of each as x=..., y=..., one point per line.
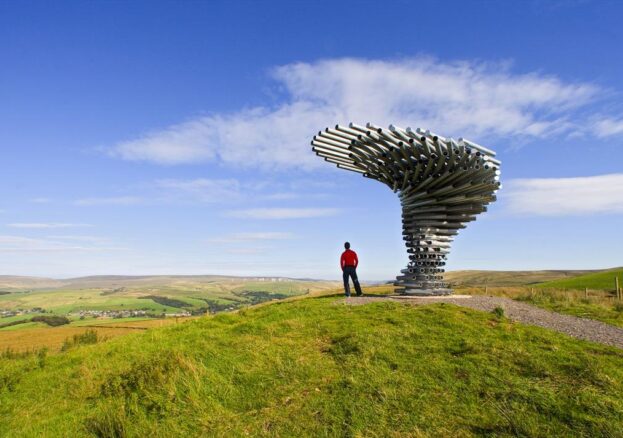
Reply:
x=349, y=262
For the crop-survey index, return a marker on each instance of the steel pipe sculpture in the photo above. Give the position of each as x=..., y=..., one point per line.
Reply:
x=442, y=184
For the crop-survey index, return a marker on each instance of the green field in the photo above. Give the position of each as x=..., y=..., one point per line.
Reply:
x=312, y=367
x=601, y=280
x=154, y=295
x=509, y=278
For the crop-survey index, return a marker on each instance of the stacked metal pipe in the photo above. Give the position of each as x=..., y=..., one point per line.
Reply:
x=442, y=184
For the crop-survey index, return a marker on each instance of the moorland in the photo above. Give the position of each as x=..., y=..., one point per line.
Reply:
x=309, y=365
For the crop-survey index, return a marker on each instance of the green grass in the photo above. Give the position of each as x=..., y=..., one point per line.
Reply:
x=601, y=280
x=26, y=325
x=508, y=278
x=106, y=321
x=311, y=367
x=16, y=318
x=598, y=308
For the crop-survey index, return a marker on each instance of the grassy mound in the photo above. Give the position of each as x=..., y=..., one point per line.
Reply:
x=312, y=367
x=601, y=280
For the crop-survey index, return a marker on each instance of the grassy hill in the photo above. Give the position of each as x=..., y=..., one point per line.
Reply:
x=510, y=278
x=314, y=367
x=603, y=280
x=14, y=282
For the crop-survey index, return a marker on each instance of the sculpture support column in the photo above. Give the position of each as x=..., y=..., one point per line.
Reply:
x=427, y=247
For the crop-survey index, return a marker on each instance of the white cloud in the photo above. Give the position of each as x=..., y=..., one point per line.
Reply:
x=282, y=213
x=202, y=189
x=171, y=190
x=607, y=127
x=94, y=239
x=281, y=196
x=566, y=196
x=252, y=237
x=47, y=225
x=246, y=251
x=41, y=200
x=27, y=244
x=456, y=99
x=119, y=200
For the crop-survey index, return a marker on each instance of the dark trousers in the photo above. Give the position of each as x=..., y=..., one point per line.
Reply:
x=352, y=272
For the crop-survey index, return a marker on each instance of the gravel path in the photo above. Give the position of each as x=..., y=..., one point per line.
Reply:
x=580, y=328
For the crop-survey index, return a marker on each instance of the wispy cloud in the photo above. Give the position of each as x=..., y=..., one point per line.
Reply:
x=118, y=200
x=246, y=251
x=252, y=237
x=207, y=190
x=566, y=196
x=41, y=200
x=94, y=239
x=457, y=99
x=28, y=244
x=607, y=127
x=39, y=225
x=201, y=189
x=282, y=213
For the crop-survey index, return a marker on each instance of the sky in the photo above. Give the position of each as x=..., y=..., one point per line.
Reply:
x=167, y=137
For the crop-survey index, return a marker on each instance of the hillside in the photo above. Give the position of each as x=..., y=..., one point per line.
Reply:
x=603, y=280
x=509, y=278
x=15, y=282
x=169, y=294
x=314, y=367
x=127, y=281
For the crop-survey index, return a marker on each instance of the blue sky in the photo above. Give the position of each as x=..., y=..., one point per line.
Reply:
x=173, y=137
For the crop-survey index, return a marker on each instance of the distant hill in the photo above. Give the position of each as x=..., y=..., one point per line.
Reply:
x=510, y=278
x=603, y=280
x=116, y=281
x=20, y=282
x=455, y=278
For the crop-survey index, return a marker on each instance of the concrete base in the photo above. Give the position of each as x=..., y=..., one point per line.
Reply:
x=428, y=297
x=423, y=292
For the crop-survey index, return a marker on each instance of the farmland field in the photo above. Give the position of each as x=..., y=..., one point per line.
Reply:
x=153, y=294
x=34, y=336
x=113, y=306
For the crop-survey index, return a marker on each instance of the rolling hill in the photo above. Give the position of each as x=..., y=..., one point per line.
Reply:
x=510, y=278
x=121, y=297
x=117, y=281
x=603, y=280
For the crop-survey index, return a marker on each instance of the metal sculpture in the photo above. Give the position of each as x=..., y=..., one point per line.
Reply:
x=442, y=184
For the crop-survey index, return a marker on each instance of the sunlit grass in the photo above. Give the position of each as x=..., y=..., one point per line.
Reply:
x=314, y=367
x=594, y=304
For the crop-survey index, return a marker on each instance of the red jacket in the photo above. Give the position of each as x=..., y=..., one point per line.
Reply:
x=349, y=258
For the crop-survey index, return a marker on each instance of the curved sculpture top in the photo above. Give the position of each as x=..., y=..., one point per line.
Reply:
x=442, y=184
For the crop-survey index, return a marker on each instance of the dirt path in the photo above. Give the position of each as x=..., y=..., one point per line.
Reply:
x=580, y=328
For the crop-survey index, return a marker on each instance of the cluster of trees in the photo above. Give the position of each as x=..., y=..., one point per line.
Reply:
x=165, y=301
x=51, y=320
x=256, y=297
